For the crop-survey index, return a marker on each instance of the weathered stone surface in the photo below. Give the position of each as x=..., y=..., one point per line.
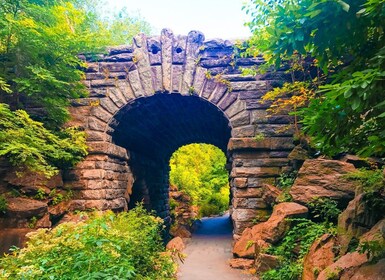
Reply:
x=281, y=143
x=248, y=193
x=176, y=244
x=376, y=233
x=323, y=178
x=243, y=131
x=265, y=262
x=354, y=221
x=32, y=180
x=239, y=182
x=370, y=271
x=270, y=231
x=321, y=254
x=350, y=261
x=255, y=172
x=240, y=263
x=44, y=222
x=241, y=119
x=13, y=237
x=20, y=208
x=107, y=149
x=181, y=232
x=270, y=194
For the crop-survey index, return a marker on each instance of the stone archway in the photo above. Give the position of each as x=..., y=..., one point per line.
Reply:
x=185, y=89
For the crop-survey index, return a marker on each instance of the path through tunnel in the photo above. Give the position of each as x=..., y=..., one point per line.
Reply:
x=152, y=128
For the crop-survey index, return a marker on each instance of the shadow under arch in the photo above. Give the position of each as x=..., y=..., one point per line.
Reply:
x=152, y=128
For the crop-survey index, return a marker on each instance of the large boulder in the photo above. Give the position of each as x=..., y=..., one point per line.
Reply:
x=324, y=178
x=370, y=271
x=357, y=219
x=357, y=265
x=321, y=254
x=20, y=208
x=344, y=265
x=268, y=232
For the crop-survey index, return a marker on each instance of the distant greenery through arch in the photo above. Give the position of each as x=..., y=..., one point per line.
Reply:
x=199, y=171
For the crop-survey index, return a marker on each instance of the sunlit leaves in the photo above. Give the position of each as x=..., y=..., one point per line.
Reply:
x=103, y=246
x=199, y=170
x=347, y=39
x=26, y=143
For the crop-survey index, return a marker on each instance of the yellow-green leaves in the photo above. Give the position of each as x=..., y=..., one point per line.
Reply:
x=26, y=143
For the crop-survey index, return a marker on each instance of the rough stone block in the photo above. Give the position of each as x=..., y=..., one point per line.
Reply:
x=239, y=182
x=248, y=193
x=255, y=172
x=243, y=131
x=271, y=143
x=249, y=203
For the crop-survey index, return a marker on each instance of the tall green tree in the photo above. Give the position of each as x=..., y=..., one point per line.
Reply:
x=347, y=40
x=40, y=72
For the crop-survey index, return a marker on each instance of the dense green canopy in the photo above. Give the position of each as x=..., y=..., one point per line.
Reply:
x=199, y=171
x=347, y=40
x=40, y=72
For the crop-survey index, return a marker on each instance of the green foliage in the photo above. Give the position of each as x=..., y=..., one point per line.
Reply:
x=325, y=209
x=293, y=248
x=25, y=142
x=285, y=181
x=3, y=204
x=40, y=194
x=372, y=183
x=39, y=46
x=199, y=171
x=32, y=222
x=374, y=249
x=106, y=246
x=348, y=112
x=370, y=180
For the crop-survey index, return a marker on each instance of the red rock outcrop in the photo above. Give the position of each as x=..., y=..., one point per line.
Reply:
x=343, y=265
x=270, y=231
x=321, y=254
x=323, y=178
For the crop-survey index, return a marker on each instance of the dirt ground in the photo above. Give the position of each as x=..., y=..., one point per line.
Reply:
x=209, y=251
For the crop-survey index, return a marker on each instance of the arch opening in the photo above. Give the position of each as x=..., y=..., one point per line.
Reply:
x=152, y=129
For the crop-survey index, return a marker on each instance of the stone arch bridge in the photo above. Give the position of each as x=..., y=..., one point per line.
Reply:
x=148, y=99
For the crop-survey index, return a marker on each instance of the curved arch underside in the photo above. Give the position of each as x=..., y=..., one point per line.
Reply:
x=158, y=125
x=148, y=99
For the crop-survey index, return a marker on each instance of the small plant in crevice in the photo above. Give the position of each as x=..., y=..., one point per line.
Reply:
x=372, y=185
x=259, y=137
x=3, y=204
x=324, y=209
x=41, y=194
x=32, y=222
x=374, y=249
x=284, y=182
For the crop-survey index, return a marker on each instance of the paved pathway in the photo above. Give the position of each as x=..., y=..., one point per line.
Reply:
x=208, y=252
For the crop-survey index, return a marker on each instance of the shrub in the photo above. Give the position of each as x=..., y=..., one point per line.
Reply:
x=324, y=208
x=217, y=203
x=293, y=248
x=106, y=246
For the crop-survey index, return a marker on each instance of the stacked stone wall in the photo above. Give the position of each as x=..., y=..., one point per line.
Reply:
x=190, y=67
